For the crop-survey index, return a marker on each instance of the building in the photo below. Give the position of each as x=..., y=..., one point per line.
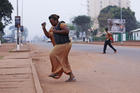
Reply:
x=136, y=34
x=95, y=6
x=117, y=28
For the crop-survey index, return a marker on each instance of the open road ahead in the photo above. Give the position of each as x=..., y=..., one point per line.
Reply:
x=95, y=72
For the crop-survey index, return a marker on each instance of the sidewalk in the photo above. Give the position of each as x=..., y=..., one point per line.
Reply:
x=17, y=72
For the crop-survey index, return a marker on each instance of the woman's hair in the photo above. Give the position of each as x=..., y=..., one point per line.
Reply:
x=54, y=16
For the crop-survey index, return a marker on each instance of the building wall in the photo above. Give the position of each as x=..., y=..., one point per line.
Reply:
x=118, y=37
x=136, y=35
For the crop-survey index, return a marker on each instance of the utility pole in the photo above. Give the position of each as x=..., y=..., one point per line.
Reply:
x=121, y=21
x=18, y=26
x=22, y=27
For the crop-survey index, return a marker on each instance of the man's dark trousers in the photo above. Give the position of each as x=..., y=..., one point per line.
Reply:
x=108, y=42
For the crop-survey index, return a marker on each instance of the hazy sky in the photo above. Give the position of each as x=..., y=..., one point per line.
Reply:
x=37, y=11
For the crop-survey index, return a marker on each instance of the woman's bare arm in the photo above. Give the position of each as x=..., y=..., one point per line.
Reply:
x=45, y=31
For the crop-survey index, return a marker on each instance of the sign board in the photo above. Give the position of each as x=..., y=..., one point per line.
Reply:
x=17, y=21
x=116, y=25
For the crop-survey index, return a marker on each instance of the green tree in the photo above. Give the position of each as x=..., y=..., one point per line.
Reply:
x=113, y=12
x=82, y=23
x=138, y=24
x=5, y=15
x=71, y=26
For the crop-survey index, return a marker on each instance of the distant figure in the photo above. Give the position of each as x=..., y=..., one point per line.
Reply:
x=59, y=35
x=108, y=41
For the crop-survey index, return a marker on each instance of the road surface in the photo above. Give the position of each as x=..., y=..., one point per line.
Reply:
x=123, y=51
x=95, y=72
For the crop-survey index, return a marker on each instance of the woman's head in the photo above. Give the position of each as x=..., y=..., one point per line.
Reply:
x=54, y=19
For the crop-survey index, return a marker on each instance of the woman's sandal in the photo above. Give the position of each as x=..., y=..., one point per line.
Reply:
x=54, y=76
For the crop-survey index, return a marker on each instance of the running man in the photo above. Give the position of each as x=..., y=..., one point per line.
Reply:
x=59, y=35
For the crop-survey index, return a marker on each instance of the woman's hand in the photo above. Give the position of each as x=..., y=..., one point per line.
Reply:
x=44, y=29
x=43, y=25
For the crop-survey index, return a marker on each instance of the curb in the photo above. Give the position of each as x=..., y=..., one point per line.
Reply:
x=36, y=79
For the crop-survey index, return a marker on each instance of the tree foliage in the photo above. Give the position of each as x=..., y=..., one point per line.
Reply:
x=5, y=14
x=82, y=23
x=113, y=12
x=138, y=24
x=71, y=26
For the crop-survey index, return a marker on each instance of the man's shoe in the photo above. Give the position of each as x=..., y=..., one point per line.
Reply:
x=115, y=51
x=71, y=80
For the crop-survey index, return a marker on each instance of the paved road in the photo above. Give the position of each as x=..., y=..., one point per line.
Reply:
x=95, y=72
x=123, y=51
